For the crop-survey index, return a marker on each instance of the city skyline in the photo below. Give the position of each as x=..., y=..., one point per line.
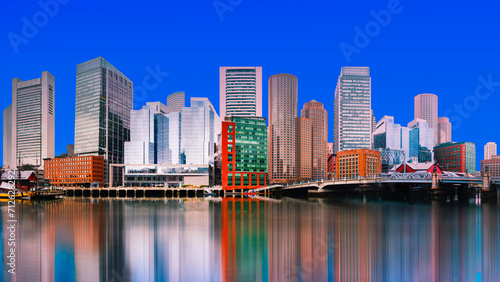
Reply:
x=402, y=62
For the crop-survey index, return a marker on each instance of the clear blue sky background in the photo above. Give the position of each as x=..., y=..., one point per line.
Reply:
x=426, y=46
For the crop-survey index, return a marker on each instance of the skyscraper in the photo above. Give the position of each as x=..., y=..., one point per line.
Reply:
x=392, y=136
x=426, y=108
x=8, y=152
x=490, y=149
x=353, y=121
x=421, y=141
x=200, y=126
x=175, y=102
x=314, y=111
x=32, y=127
x=282, y=138
x=104, y=98
x=240, y=91
x=140, y=148
x=444, y=130
x=304, y=148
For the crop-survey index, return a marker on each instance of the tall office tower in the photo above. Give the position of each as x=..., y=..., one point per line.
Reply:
x=282, y=138
x=174, y=137
x=162, y=152
x=104, y=98
x=374, y=122
x=426, y=108
x=421, y=141
x=8, y=152
x=175, y=102
x=314, y=111
x=353, y=122
x=140, y=148
x=304, y=148
x=240, y=91
x=148, y=136
x=200, y=126
x=329, y=148
x=490, y=149
x=32, y=121
x=444, y=130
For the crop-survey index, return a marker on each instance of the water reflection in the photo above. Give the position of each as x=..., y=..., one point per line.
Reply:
x=253, y=240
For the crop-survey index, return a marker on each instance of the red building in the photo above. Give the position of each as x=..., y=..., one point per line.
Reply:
x=331, y=165
x=244, y=153
x=456, y=157
x=419, y=167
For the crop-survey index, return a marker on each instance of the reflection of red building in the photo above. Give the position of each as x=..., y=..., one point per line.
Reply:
x=244, y=153
x=238, y=257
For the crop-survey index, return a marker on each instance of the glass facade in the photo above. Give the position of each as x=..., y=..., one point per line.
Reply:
x=8, y=160
x=352, y=107
x=174, y=137
x=421, y=140
x=104, y=98
x=198, y=132
x=250, y=144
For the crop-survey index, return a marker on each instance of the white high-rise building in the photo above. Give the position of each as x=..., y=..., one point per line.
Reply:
x=353, y=121
x=200, y=126
x=8, y=153
x=240, y=91
x=444, y=130
x=426, y=108
x=32, y=126
x=490, y=149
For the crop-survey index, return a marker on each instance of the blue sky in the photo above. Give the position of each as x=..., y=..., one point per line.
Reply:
x=447, y=48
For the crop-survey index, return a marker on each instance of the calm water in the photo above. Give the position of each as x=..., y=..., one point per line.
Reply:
x=254, y=240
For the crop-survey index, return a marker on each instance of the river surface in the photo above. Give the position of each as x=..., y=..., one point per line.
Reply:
x=227, y=239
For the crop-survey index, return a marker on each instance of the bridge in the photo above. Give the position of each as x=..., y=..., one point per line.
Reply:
x=426, y=179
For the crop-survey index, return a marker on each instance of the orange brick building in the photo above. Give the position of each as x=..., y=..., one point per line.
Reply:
x=358, y=163
x=74, y=171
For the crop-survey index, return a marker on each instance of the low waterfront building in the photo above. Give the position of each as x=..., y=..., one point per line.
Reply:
x=244, y=152
x=24, y=180
x=492, y=165
x=84, y=171
x=358, y=163
x=419, y=167
x=166, y=175
x=456, y=157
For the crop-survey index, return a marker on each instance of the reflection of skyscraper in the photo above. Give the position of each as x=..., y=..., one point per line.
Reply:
x=353, y=123
x=281, y=137
x=426, y=108
x=102, y=113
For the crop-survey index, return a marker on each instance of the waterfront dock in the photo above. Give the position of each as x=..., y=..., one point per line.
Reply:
x=142, y=192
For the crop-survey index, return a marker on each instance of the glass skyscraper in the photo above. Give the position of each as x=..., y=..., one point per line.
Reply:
x=352, y=109
x=104, y=99
x=421, y=141
x=141, y=147
x=29, y=123
x=388, y=135
x=200, y=126
x=240, y=91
